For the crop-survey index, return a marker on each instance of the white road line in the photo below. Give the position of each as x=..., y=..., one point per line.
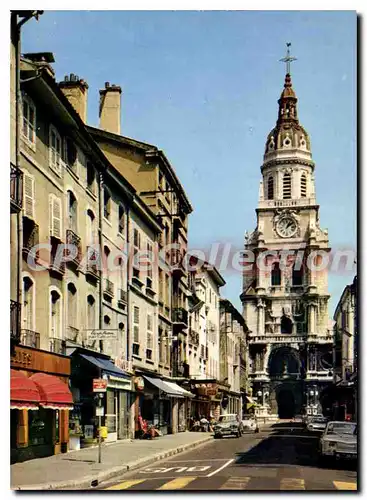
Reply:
x=221, y=468
x=202, y=460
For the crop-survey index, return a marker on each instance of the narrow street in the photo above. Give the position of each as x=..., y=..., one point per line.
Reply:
x=281, y=458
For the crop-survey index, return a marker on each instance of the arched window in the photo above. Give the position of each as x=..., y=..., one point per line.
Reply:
x=287, y=186
x=276, y=275
x=91, y=312
x=55, y=315
x=72, y=212
x=91, y=178
x=270, y=188
x=90, y=228
x=297, y=276
x=28, y=304
x=106, y=204
x=72, y=306
x=121, y=219
x=107, y=320
x=303, y=186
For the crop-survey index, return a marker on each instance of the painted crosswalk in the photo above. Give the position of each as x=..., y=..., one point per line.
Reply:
x=232, y=483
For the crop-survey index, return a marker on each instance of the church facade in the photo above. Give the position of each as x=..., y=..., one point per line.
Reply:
x=285, y=288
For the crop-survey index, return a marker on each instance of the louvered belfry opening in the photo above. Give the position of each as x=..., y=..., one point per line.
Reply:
x=287, y=186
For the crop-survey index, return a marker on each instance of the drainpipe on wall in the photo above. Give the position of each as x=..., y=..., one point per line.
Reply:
x=100, y=219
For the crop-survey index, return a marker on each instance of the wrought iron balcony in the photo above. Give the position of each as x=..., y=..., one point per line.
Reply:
x=108, y=288
x=15, y=309
x=58, y=346
x=177, y=267
x=193, y=337
x=16, y=188
x=73, y=239
x=180, y=315
x=92, y=260
x=30, y=238
x=30, y=338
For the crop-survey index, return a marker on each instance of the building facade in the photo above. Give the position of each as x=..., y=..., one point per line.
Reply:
x=233, y=357
x=285, y=297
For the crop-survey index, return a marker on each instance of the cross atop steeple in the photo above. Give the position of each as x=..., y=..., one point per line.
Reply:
x=288, y=59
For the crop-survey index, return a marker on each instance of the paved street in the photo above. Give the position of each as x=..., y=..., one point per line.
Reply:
x=281, y=458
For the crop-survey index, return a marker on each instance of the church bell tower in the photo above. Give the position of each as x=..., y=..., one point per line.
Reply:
x=285, y=297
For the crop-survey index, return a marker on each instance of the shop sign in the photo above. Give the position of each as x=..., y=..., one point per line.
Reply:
x=99, y=385
x=209, y=389
x=139, y=383
x=22, y=358
x=102, y=335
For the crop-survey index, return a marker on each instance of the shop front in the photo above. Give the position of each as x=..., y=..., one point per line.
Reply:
x=40, y=401
x=87, y=366
x=207, y=399
x=160, y=403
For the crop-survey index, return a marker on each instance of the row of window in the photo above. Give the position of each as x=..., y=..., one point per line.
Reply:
x=287, y=186
x=276, y=276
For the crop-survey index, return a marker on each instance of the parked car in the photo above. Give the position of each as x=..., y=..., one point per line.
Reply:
x=249, y=423
x=316, y=424
x=339, y=440
x=228, y=425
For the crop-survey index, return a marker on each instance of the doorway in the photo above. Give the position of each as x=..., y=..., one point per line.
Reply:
x=286, y=404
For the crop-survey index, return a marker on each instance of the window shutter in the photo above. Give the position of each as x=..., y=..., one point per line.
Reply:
x=149, y=323
x=136, y=314
x=28, y=181
x=55, y=208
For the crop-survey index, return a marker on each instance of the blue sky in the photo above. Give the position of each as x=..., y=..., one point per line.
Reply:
x=203, y=86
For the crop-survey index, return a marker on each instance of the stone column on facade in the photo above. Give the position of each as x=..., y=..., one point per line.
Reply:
x=174, y=415
x=260, y=317
x=311, y=318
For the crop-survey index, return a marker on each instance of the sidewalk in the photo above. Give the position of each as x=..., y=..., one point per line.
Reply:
x=77, y=469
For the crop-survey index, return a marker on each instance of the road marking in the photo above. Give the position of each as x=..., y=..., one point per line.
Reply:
x=341, y=485
x=125, y=484
x=292, y=483
x=221, y=468
x=177, y=484
x=202, y=460
x=175, y=470
x=235, y=483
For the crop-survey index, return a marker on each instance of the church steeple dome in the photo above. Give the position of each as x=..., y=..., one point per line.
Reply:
x=288, y=137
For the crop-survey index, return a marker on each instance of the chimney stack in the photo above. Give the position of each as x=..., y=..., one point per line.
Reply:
x=110, y=108
x=75, y=90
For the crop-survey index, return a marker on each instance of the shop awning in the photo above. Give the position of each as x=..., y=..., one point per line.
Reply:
x=177, y=388
x=54, y=393
x=24, y=393
x=106, y=366
x=164, y=387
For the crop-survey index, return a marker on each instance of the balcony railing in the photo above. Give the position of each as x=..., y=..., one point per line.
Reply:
x=15, y=308
x=58, y=346
x=180, y=315
x=74, y=240
x=177, y=263
x=193, y=337
x=16, y=188
x=30, y=338
x=92, y=259
x=109, y=288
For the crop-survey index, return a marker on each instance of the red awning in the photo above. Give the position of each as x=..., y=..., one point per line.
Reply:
x=24, y=393
x=54, y=393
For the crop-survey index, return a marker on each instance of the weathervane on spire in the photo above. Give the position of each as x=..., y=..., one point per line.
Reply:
x=288, y=59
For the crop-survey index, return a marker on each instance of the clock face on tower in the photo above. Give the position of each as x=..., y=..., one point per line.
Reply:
x=286, y=227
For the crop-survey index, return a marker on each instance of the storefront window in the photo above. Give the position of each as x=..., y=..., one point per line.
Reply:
x=40, y=426
x=111, y=410
x=57, y=426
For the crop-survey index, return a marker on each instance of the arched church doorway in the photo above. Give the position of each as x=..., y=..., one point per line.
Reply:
x=286, y=403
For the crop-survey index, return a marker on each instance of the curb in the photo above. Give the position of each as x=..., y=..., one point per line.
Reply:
x=86, y=481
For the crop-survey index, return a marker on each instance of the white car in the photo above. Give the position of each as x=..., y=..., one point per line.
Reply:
x=339, y=440
x=316, y=424
x=249, y=423
x=228, y=425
